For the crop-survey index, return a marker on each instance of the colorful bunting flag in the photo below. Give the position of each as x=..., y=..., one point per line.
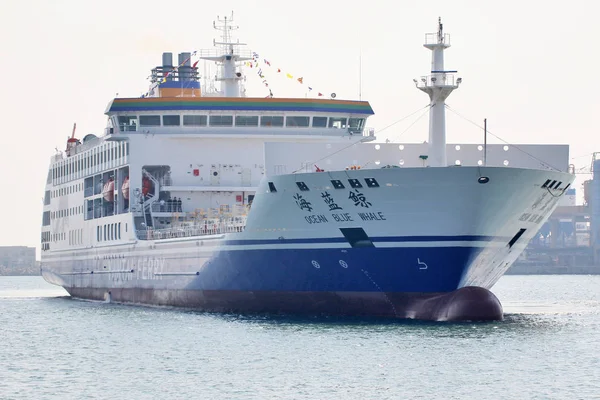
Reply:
x=257, y=62
x=254, y=63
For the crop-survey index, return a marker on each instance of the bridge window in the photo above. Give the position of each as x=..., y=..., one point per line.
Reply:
x=293, y=121
x=171, y=120
x=356, y=125
x=194, y=120
x=319, y=122
x=271, y=121
x=127, y=123
x=246, y=120
x=337, y=122
x=221, y=120
x=149, y=120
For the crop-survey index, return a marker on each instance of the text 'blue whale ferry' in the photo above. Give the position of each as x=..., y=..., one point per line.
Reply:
x=216, y=201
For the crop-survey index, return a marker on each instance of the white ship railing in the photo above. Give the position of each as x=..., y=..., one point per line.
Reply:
x=439, y=79
x=368, y=132
x=434, y=38
x=248, y=130
x=88, y=144
x=216, y=53
x=164, y=206
x=202, y=228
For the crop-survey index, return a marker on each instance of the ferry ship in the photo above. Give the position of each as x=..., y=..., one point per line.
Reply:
x=209, y=199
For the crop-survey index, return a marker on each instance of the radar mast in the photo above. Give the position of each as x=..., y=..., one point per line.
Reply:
x=227, y=55
x=438, y=86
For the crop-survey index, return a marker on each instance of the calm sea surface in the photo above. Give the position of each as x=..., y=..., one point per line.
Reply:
x=52, y=347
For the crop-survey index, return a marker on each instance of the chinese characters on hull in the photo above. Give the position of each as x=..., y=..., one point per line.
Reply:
x=330, y=202
x=358, y=198
x=303, y=203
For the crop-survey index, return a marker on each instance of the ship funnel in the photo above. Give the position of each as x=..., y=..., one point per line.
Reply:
x=175, y=80
x=167, y=63
x=167, y=59
x=185, y=70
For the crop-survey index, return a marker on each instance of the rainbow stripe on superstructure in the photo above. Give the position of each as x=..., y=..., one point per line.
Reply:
x=239, y=104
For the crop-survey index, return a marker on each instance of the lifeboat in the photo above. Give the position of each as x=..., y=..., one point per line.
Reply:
x=125, y=188
x=71, y=142
x=109, y=191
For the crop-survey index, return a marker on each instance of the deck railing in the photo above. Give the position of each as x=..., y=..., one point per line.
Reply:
x=201, y=228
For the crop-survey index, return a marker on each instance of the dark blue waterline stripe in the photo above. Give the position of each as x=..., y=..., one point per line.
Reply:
x=383, y=239
x=285, y=241
x=463, y=238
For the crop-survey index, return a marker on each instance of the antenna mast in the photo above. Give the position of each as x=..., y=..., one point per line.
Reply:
x=438, y=86
x=227, y=55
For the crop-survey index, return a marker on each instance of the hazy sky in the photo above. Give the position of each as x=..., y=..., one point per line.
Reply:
x=529, y=67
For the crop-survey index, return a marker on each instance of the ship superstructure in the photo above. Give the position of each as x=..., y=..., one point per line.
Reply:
x=211, y=199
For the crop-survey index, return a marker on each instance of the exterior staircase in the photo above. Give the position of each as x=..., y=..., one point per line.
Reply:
x=150, y=199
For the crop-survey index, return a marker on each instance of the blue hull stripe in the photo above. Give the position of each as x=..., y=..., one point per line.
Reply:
x=385, y=239
x=390, y=270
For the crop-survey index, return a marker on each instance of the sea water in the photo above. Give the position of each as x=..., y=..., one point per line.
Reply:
x=53, y=347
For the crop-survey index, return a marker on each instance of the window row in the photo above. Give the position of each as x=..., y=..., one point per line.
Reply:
x=46, y=237
x=57, y=237
x=131, y=122
x=66, y=190
x=75, y=237
x=67, y=212
x=80, y=165
x=108, y=232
